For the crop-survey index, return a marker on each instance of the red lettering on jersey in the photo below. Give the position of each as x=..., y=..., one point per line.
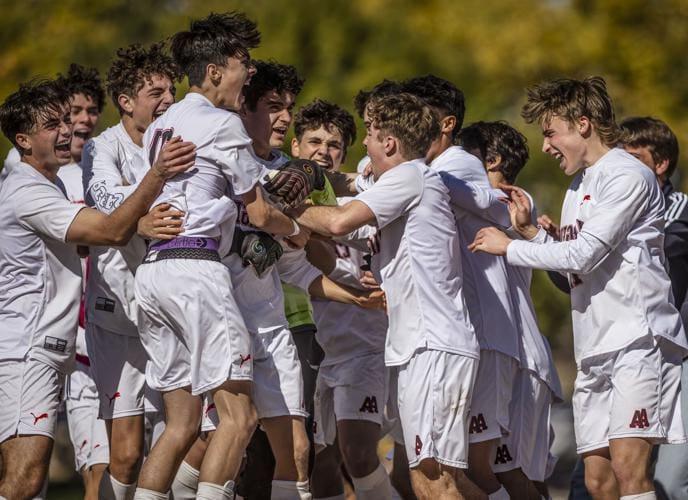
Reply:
x=478, y=424
x=419, y=445
x=503, y=455
x=36, y=419
x=640, y=420
x=369, y=405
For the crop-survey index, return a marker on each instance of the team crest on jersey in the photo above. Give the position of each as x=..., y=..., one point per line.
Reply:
x=640, y=420
x=369, y=405
x=503, y=455
x=478, y=424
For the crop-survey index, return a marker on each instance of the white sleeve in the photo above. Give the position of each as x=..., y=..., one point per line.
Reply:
x=486, y=203
x=358, y=238
x=234, y=154
x=363, y=183
x=345, y=273
x=46, y=211
x=294, y=269
x=104, y=187
x=395, y=193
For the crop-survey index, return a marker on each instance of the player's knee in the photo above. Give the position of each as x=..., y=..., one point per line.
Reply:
x=599, y=485
x=629, y=472
x=246, y=420
x=125, y=458
x=360, y=460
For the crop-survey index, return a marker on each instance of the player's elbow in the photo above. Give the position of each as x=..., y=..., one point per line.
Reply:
x=339, y=227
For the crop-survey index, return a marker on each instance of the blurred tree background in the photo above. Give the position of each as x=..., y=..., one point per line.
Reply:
x=492, y=49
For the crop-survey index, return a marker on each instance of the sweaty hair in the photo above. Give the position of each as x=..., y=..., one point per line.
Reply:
x=441, y=95
x=653, y=134
x=571, y=100
x=385, y=87
x=86, y=81
x=211, y=41
x=495, y=139
x=406, y=118
x=325, y=114
x=134, y=65
x=271, y=76
x=35, y=102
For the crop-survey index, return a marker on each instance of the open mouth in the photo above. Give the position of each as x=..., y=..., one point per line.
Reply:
x=63, y=147
x=84, y=135
x=324, y=164
x=279, y=130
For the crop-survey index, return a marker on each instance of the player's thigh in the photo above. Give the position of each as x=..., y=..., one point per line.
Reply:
x=26, y=458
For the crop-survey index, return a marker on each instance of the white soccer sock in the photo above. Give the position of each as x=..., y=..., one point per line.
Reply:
x=185, y=483
x=648, y=495
x=500, y=494
x=144, y=494
x=210, y=491
x=111, y=489
x=373, y=486
x=290, y=490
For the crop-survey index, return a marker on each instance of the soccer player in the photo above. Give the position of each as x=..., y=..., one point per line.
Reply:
x=140, y=83
x=190, y=323
x=430, y=339
x=522, y=456
x=350, y=392
x=628, y=336
x=39, y=306
x=87, y=433
x=486, y=288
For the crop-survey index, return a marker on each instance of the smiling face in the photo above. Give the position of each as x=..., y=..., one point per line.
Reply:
x=564, y=142
x=268, y=123
x=48, y=145
x=151, y=101
x=325, y=147
x=84, y=115
x=281, y=116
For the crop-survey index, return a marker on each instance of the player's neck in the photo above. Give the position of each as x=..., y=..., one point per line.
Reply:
x=438, y=147
x=49, y=172
x=595, y=150
x=262, y=150
x=133, y=131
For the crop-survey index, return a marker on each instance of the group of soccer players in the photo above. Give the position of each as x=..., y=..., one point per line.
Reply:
x=223, y=319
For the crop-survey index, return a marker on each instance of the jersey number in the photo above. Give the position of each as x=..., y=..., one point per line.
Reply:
x=160, y=137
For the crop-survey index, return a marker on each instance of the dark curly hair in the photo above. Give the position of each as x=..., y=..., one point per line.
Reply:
x=82, y=80
x=321, y=113
x=211, y=41
x=494, y=139
x=269, y=76
x=34, y=102
x=441, y=95
x=385, y=87
x=134, y=65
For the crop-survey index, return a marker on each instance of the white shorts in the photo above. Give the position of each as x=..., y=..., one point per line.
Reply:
x=190, y=325
x=634, y=392
x=87, y=433
x=527, y=445
x=118, y=366
x=489, y=416
x=30, y=393
x=277, y=388
x=352, y=390
x=434, y=391
x=391, y=424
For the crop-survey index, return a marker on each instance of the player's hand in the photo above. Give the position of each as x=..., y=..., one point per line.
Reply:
x=175, y=157
x=368, y=281
x=294, y=181
x=300, y=240
x=374, y=299
x=162, y=223
x=368, y=169
x=490, y=240
x=548, y=225
x=520, y=211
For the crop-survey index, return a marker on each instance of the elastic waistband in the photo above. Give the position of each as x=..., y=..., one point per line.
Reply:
x=186, y=242
x=181, y=253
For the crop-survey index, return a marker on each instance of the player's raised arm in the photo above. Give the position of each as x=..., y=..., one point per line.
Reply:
x=336, y=220
x=91, y=227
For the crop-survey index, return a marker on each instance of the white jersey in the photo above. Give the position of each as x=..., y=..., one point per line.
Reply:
x=420, y=264
x=71, y=178
x=11, y=160
x=612, y=228
x=40, y=274
x=346, y=331
x=108, y=164
x=224, y=161
x=261, y=300
x=485, y=276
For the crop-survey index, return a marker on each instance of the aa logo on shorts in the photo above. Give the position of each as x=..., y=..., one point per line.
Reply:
x=369, y=405
x=503, y=455
x=478, y=424
x=640, y=420
x=419, y=445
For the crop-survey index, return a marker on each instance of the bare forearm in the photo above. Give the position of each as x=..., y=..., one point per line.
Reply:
x=324, y=288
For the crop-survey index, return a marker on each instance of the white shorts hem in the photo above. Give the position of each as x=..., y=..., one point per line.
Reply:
x=457, y=464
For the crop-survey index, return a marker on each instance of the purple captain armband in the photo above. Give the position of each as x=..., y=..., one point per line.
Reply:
x=186, y=242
